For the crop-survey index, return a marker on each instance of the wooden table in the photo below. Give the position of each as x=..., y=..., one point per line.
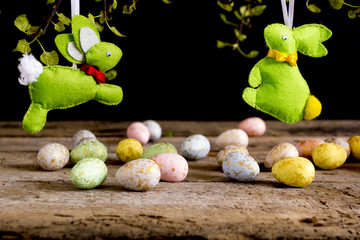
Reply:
x=44, y=204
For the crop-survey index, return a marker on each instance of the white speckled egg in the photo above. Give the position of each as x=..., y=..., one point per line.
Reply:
x=79, y=135
x=342, y=142
x=53, y=156
x=154, y=129
x=88, y=173
x=229, y=149
x=280, y=151
x=240, y=166
x=253, y=126
x=138, y=131
x=139, y=175
x=195, y=147
x=232, y=136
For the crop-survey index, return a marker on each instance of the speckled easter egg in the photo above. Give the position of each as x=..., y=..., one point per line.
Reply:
x=129, y=149
x=329, y=156
x=240, y=166
x=229, y=149
x=139, y=175
x=53, y=156
x=294, y=171
x=253, y=126
x=154, y=129
x=307, y=146
x=173, y=167
x=158, y=148
x=79, y=135
x=232, y=136
x=354, y=143
x=195, y=147
x=138, y=131
x=280, y=151
x=89, y=149
x=88, y=173
x=342, y=142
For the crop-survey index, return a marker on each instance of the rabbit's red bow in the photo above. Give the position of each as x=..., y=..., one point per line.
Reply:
x=90, y=70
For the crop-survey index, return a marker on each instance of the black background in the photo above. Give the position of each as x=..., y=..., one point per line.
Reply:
x=171, y=68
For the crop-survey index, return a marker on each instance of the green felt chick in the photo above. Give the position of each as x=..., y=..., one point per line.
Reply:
x=276, y=84
x=60, y=87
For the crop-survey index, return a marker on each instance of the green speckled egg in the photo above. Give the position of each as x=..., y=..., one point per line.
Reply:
x=88, y=173
x=92, y=149
x=158, y=148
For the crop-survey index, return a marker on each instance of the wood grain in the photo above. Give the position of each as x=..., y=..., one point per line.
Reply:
x=44, y=204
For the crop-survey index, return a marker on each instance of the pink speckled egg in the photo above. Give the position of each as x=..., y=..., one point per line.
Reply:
x=253, y=126
x=173, y=167
x=138, y=131
x=307, y=146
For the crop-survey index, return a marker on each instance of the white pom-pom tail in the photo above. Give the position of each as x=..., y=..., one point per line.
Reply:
x=30, y=69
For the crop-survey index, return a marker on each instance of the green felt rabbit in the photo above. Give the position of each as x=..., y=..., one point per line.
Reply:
x=60, y=87
x=276, y=84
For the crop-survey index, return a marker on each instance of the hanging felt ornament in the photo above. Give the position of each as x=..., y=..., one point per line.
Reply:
x=61, y=87
x=276, y=84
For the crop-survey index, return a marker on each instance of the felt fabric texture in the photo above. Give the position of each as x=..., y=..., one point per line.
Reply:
x=60, y=87
x=277, y=87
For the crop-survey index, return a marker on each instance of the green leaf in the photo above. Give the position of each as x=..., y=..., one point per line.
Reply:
x=239, y=35
x=114, y=4
x=167, y=1
x=226, y=6
x=91, y=18
x=252, y=54
x=128, y=9
x=102, y=17
x=59, y=27
x=99, y=27
x=49, y=58
x=351, y=14
x=50, y=2
x=22, y=23
x=313, y=8
x=258, y=10
x=336, y=4
x=22, y=46
x=224, y=19
x=116, y=32
x=65, y=20
x=111, y=75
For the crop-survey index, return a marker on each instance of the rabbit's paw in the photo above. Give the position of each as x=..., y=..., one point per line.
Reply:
x=35, y=118
x=249, y=96
x=108, y=94
x=312, y=108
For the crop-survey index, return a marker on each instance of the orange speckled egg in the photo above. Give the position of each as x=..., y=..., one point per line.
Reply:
x=307, y=146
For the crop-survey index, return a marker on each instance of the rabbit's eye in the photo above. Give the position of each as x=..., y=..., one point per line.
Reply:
x=108, y=54
x=284, y=37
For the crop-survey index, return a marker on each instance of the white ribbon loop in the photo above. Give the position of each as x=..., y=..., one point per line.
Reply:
x=288, y=15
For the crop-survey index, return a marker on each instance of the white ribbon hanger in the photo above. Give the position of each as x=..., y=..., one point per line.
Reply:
x=288, y=15
x=75, y=10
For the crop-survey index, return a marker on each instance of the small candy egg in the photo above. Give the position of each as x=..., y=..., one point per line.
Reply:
x=173, y=167
x=158, y=148
x=87, y=139
x=280, y=151
x=294, y=171
x=195, y=147
x=88, y=173
x=253, y=126
x=240, y=166
x=80, y=135
x=354, y=143
x=154, y=128
x=139, y=175
x=53, y=156
x=90, y=149
x=138, y=131
x=329, y=156
x=232, y=136
x=306, y=147
x=229, y=149
x=341, y=142
x=129, y=149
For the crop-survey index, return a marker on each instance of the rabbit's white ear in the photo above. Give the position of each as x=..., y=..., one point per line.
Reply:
x=88, y=38
x=74, y=52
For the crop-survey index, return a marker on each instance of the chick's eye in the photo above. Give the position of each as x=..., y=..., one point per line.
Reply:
x=108, y=54
x=284, y=37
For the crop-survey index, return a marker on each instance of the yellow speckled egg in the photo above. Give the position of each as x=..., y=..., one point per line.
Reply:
x=329, y=156
x=129, y=149
x=89, y=149
x=53, y=156
x=236, y=147
x=294, y=171
x=354, y=143
x=139, y=175
x=280, y=151
x=232, y=136
x=341, y=142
